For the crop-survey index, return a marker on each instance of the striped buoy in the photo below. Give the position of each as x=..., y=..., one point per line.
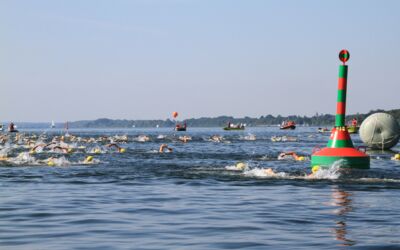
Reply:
x=340, y=146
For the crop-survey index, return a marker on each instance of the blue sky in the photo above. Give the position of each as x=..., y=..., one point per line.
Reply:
x=73, y=60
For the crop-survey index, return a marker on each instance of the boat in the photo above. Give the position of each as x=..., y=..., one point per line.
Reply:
x=53, y=125
x=231, y=126
x=323, y=130
x=288, y=125
x=353, y=129
x=180, y=127
x=12, y=128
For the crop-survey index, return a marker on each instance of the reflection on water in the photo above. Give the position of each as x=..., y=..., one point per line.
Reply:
x=343, y=206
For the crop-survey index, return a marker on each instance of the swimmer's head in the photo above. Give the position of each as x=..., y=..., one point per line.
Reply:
x=69, y=150
x=122, y=150
x=397, y=156
x=241, y=165
x=97, y=151
x=51, y=163
x=89, y=158
x=315, y=169
x=301, y=158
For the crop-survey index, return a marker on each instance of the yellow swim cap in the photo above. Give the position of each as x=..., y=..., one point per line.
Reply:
x=240, y=165
x=51, y=163
x=301, y=158
x=89, y=158
x=122, y=150
x=70, y=150
x=315, y=169
x=397, y=156
x=32, y=152
x=97, y=151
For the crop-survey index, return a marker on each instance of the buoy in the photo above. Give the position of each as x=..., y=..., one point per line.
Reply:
x=340, y=146
x=380, y=131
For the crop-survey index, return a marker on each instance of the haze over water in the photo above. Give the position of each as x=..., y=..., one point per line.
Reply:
x=193, y=198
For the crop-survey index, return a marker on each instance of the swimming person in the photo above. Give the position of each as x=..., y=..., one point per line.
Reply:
x=296, y=157
x=164, y=147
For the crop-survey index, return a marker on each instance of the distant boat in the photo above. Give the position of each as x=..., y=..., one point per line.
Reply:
x=231, y=126
x=53, y=125
x=180, y=127
x=353, y=129
x=66, y=130
x=12, y=128
x=323, y=130
x=288, y=125
x=1, y=127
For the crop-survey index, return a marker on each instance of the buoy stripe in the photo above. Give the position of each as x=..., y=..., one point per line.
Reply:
x=339, y=120
x=341, y=108
x=346, y=162
x=342, y=84
x=341, y=95
x=342, y=71
x=345, y=152
x=339, y=135
x=340, y=144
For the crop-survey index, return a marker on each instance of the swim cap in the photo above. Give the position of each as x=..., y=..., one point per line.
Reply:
x=97, y=151
x=32, y=152
x=315, y=169
x=397, y=156
x=89, y=158
x=122, y=150
x=69, y=150
x=240, y=165
x=51, y=163
x=301, y=158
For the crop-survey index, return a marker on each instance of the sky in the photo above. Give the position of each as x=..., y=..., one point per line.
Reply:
x=125, y=59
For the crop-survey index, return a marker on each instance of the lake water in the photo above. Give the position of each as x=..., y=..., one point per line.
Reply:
x=193, y=198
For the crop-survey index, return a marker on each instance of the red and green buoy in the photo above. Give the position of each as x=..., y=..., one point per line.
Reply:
x=340, y=146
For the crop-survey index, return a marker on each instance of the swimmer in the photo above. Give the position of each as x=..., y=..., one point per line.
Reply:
x=314, y=171
x=164, y=147
x=88, y=160
x=119, y=149
x=396, y=157
x=184, y=138
x=284, y=155
x=241, y=166
x=269, y=172
x=216, y=138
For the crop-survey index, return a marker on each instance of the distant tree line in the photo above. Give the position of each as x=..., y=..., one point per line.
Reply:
x=268, y=120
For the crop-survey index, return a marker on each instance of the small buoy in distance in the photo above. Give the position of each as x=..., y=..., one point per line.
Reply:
x=380, y=131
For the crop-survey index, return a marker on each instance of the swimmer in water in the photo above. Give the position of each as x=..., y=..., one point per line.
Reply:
x=164, y=147
x=269, y=172
x=296, y=157
x=184, y=138
x=396, y=157
x=314, y=171
x=119, y=149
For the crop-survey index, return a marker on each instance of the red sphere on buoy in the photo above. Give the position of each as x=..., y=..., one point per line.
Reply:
x=344, y=55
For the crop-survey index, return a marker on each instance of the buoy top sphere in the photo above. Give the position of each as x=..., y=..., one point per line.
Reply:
x=380, y=131
x=344, y=55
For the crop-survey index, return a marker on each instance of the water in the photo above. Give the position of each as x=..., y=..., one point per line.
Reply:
x=193, y=198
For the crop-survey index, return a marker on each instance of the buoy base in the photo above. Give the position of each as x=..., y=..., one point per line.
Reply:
x=351, y=158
